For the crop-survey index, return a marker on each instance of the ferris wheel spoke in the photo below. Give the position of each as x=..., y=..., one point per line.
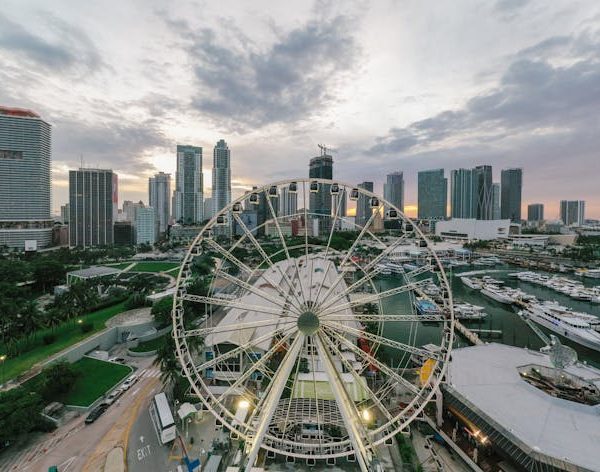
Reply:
x=359, y=379
x=385, y=318
x=386, y=252
x=277, y=386
x=286, y=249
x=228, y=255
x=254, y=366
x=201, y=332
x=346, y=407
x=227, y=303
x=382, y=340
x=241, y=348
x=370, y=359
x=268, y=260
x=370, y=298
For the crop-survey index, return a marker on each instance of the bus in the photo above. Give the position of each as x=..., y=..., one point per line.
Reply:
x=162, y=418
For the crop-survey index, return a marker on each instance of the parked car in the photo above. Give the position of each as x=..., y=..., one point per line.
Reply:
x=118, y=360
x=96, y=413
x=112, y=396
x=130, y=381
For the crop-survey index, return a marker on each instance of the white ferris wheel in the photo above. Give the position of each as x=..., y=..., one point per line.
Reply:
x=305, y=355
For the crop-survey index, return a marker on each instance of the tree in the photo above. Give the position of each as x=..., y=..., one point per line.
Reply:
x=48, y=272
x=20, y=413
x=57, y=380
x=161, y=311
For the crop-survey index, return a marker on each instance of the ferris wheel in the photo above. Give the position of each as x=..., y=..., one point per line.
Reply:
x=305, y=344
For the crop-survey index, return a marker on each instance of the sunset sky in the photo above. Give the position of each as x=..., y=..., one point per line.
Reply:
x=390, y=85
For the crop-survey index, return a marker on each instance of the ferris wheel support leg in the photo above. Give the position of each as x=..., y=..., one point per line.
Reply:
x=347, y=408
x=270, y=404
x=439, y=407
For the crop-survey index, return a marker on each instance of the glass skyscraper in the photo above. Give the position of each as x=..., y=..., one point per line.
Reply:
x=535, y=212
x=221, y=176
x=572, y=212
x=496, y=213
x=393, y=189
x=159, y=198
x=25, y=160
x=321, y=167
x=432, y=194
x=483, y=192
x=363, y=208
x=511, y=181
x=189, y=186
x=462, y=200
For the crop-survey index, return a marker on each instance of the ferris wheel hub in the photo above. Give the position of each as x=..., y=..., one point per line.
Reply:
x=308, y=323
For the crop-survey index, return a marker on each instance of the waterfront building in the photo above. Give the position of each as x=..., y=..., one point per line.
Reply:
x=93, y=201
x=432, y=194
x=467, y=229
x=496, y=213
x=462, y=200
x=363, y=207
x=393, y=190
x=572, y=212
x=159, y=198
x=535, y=212
x=482, y=192
x=511, y=181
x=189, y=186
x=146, y=226
x=221, y=176
x=25, y=179
x=64, y=213
x=321, y=167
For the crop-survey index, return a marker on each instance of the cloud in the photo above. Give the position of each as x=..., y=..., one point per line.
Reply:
x=241, y=85
x=68, y=47
x=510, y=5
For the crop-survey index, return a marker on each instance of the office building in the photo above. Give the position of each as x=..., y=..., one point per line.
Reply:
x=462, y=200
x=572, y=212
x=496, y=212
x=393, y=190
x=321, y=167
x=145, y=226
x=208, y=208
x=129, y=210
x=535, y=212
x=189, y=186
x=25, y=180
x=432, y=194
x=93, y=201
x=124, y=233
x=511, y=181
x=363, y=207
x=482, y=192
x=221, y=176
x=288, y=202
x=159, y=198
x=64, y=213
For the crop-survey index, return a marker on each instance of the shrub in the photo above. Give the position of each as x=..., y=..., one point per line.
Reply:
x=49, y=338
x=87, y=327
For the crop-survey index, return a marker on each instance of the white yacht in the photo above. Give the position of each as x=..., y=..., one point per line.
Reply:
x=581, y=328
x=468, y=311
x=589, y=273
x=472, y=282
x=500, y=294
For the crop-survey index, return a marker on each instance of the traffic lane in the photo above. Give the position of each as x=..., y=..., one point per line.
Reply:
x=145, y=451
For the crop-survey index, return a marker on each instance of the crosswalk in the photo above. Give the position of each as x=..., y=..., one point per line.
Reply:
x=24, y=460
x=152, y=372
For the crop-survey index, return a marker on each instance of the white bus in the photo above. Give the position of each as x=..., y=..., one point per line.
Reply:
x=162, y=418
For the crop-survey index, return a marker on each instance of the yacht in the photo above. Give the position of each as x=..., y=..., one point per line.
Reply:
x=426, y=307
x=589, y=273
x=472, y=282
x=501, y=295
x=581, y=328
x=467, y=311
x=384, y=269
x=432, y=290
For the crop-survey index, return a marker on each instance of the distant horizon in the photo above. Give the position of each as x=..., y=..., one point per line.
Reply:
x=389, y=86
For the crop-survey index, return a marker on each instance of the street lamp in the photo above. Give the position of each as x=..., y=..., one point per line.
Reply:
x=2, y=359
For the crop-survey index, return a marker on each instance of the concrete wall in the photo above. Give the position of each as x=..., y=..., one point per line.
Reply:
x=148, y=337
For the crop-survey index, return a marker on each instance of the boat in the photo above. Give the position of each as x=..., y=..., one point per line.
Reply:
x=472, y=282
x=432, y=290
x=592, y=274
x=384, y=269
x=468, y=311
x=581, y=328
x=499, y=294
x=426, y=307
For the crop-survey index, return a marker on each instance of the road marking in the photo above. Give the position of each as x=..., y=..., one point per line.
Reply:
x=142, y=439
x=135, y=391
x=64, y=467
x=143, y=452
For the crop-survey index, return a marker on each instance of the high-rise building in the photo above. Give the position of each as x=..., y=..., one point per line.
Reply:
x=288, y=202
x=462, y=200
x=363, y=207
x=496, y=213
x=572, y=212
x=512, y=188
x=124, y=233
x=189, y=186
x=64, y=213
x=130, y=209
x=321, y=167
x=535, y=212
x=159, y=198
x=221, y=176
x=393, y=190
x=146, y=225
x=432, y=194
x=482, y=192
x=93, y=201
x=208, y=208
x=25, y=161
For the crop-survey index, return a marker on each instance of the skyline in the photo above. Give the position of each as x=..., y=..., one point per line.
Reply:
x=423, y=90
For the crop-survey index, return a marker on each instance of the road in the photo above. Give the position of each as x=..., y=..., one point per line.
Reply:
x=76, y=446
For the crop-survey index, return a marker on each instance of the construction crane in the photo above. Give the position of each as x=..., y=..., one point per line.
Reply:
x=325, y=151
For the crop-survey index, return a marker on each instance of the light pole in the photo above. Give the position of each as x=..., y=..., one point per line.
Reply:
x=2, y=359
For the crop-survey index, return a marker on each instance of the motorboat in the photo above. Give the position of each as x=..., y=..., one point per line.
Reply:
x=499, y=294
x=472, y=282
x=468, y=311
x=426, y=307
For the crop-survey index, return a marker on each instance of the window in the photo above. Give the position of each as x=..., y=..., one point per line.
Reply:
x=8, y=154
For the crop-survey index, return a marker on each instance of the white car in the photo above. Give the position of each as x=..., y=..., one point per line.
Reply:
x=130, y=381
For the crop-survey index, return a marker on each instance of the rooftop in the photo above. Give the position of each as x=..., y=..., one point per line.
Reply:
x=20, y=112
x=488, y=377
x=92, y=272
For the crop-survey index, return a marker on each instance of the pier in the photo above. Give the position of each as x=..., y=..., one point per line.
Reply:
x=467, y=333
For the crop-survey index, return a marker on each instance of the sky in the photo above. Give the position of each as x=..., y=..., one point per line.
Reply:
x=390, y=85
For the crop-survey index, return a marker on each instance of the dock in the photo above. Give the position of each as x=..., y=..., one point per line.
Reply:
x=467, y=333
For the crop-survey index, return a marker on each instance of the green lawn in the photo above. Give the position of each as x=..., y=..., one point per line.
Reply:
x=119, y=265
x=152, y=266
x=148, y=346
x=97, y=377
x=66, y=335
